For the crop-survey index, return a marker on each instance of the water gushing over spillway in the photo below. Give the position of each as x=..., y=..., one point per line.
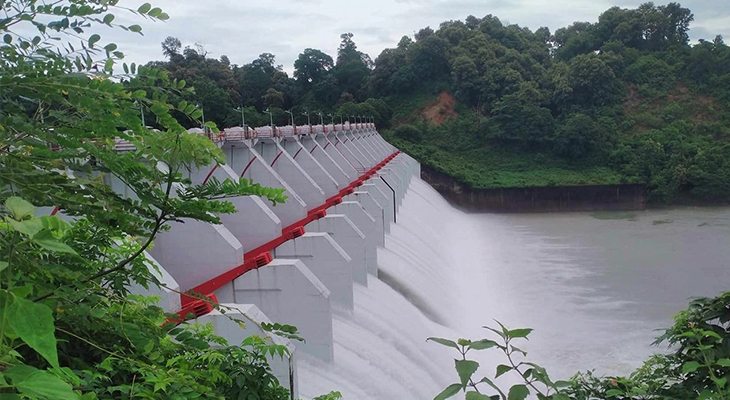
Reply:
x=380, y=348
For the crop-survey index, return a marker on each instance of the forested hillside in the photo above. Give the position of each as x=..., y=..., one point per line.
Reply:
x=625, y=99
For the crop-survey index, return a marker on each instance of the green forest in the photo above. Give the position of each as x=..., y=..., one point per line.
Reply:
x=626, y=99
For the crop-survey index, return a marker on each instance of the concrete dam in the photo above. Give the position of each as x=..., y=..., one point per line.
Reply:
x=354, y=259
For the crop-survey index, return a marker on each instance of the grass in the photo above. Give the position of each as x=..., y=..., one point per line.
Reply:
x=488, y=168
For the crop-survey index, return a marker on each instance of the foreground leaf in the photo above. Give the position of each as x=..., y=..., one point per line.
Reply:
x=19, y=208
x=444, y=342
x=465, y=369
x=448, y=392
x=690, y=367
x=518, y=392
x=33, y=323
x=476, y=396
x=44, y=385
x=46, y=240
x=482, y=344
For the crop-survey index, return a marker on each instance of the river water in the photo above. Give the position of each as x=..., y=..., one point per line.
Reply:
x=596, y=287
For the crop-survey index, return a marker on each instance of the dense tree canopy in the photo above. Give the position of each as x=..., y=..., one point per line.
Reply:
x=581, y=96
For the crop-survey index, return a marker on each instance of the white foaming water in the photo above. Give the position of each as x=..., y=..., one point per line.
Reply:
x=380, y=349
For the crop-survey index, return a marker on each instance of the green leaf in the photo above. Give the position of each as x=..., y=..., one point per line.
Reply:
x=19, y=208
x=517, y=349
x=519, y=333
x=495, y=387
x=476, y=396
x=3, y=265
x=45, y=385
x=614, y=392
x=144, y=8
x=723, y=362
x=444, y=342
x=155, y=12
x=28, y=227
x=108, y=18
x=690, y=367
x=135, y=28
x=482, y=344
x=22, y=291
x=46, y=240
x=20, y=372
x=93, y=39
x=720, y=382
x=163, y=17
x=465, y=369
x=518, y=392
x=7, y=38
x=33, y=323
x=109, y=65
x=501, y=334
x=706, y=394
x=448, y=392
x=502, y=369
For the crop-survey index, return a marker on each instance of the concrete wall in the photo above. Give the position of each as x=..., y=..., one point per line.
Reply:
x=351, y=174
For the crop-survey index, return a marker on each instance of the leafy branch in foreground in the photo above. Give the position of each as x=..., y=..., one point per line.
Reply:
x=698, y=366
x=535, y=378
x=69, y=326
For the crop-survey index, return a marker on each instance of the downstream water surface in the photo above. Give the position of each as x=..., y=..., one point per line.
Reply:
x=595, y=287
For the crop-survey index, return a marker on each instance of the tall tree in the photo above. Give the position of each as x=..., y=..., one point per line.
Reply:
x=311, y=67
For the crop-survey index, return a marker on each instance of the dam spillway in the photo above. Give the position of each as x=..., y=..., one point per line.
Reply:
x=312, y=261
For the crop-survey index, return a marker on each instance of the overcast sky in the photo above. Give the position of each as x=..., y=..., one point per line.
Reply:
x=243, y=29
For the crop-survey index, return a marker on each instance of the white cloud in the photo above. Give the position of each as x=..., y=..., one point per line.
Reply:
x=244, y=29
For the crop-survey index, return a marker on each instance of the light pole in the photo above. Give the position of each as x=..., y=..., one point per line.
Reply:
x=243, y=117
x=291, y=115
x=333, y=118
x=309, y=122
x=321, y=118
x=271, y=118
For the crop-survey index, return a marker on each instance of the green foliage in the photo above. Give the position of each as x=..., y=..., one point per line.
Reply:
x=625, y=100
x=409, y=133
x=535, y=379
x=69, y=327
x=329, y=396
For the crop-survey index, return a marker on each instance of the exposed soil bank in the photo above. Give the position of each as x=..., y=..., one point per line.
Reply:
x=537, y=199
